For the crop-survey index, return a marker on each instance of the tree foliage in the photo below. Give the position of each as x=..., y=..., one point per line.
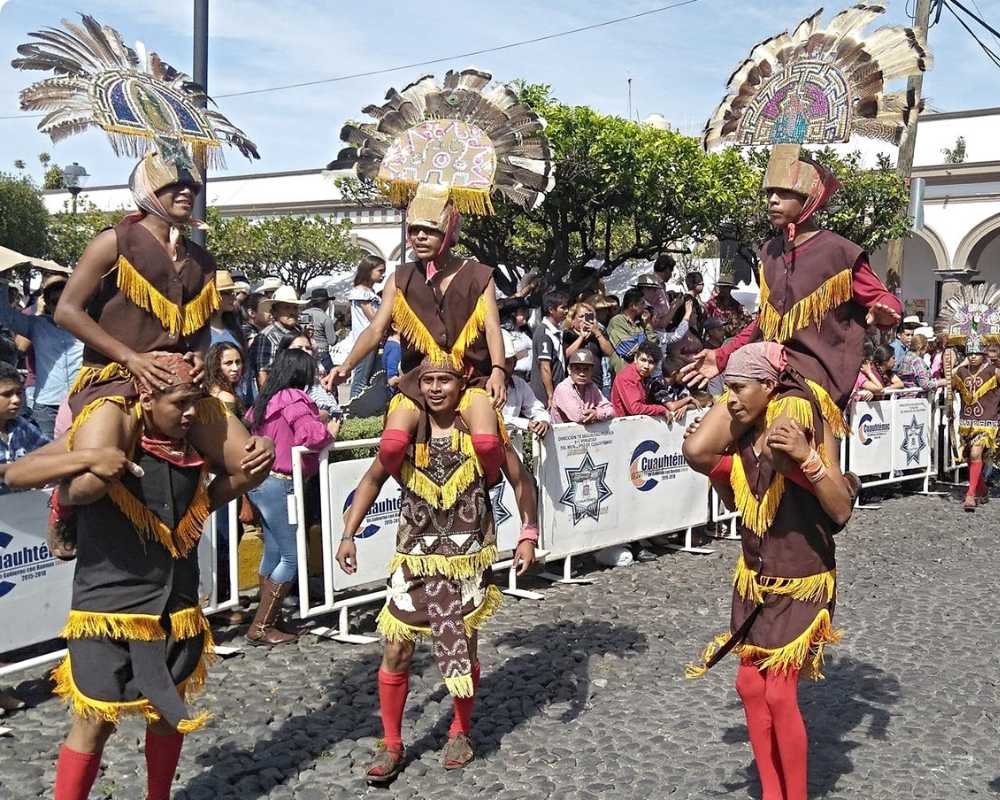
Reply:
x=296, y=249
x=69, y=233
x=23, y=217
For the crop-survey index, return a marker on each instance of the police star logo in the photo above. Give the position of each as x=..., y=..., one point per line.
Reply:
x=587, y=489
x=500, y=511
x=914, y=442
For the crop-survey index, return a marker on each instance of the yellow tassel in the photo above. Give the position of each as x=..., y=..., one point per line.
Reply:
x=481, y=615
x=831, y=413
x=472, y=201
x=777, y=327
x=971, y=398
x=464, y=566
x=211, y=409
x=88, y=376
x=395, y=630
x=186, y=726
x=89, y=409
x=697, y=670
x=795, y=408
x=188, y=623
x=94, y=624
x=421, y=455
x=87, y=708
x=818, y=588
x=194, y=682
x=459, y=685
x=980, y=436
x=175, y=320
x=805, y=652
x=399, y=193
x=413, y=329
x=400, y=400
x=757, y=514
x=189, y=530
x=442, y=497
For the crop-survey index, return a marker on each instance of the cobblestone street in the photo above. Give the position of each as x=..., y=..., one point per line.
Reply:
x=583, y=694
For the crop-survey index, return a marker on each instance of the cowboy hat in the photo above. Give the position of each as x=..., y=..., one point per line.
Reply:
x=224, y=281
x=283, y=294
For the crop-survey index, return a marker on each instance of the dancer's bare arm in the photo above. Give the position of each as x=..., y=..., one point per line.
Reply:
x=496, y=384
x=51, y=464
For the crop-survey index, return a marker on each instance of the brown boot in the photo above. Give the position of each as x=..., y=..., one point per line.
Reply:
x=262, y=630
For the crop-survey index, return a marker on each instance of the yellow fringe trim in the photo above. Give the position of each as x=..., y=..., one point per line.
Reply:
x=459, y=686
x=421, y=455
x=442, y=497
x=400, y=400
x=211, y=409
x=805, y=652
x=188, y=623
x=796, y=408
x=980, y=436
x=831, y=413
x=811, y=309
x=411, y=327
x=818, y=588
x=971, y=398
x=88, y=376
x=466, y=201
x=178, y=542
x=466, y=402
x=175, y=320
x=94, y=624
x=697, y=670
x=90, y=408
x=464, y=566
x=395, y=630
x=757, y=514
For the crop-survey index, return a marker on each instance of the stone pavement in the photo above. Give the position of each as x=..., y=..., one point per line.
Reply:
x=583, y=694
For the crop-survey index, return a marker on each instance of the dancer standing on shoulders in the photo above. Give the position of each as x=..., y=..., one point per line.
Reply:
x=785, y=583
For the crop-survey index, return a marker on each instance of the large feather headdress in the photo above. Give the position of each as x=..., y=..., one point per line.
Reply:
x=821, y=85
x=972, y=314
x=139, y=100
x=473, y=139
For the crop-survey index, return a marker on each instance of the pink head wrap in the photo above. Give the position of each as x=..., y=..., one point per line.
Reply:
x=760, y=361
x=819, y=194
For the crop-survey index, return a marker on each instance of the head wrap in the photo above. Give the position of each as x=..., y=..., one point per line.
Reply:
x=180, y=368
x=432, y=208
x=759, y=361
x=177, y=452
x=427, y=366
x=154, y=173
x=795, y=171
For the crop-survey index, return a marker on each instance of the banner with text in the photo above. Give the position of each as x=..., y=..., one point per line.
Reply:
x=890, y=435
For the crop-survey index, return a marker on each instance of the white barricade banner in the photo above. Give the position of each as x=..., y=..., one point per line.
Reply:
x=35, y=587
x=870, y=444
x=615, y=482
x=912, y=433
x=505, y=513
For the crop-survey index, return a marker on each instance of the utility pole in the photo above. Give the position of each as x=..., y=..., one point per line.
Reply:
x=200, y=74
x=904, y=163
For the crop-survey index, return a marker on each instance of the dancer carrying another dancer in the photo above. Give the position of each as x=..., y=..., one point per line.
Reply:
x=140, y=288
x=137, y=639
x=785, y=583
x=439, y=580
x=445, y=149
x=817, y=290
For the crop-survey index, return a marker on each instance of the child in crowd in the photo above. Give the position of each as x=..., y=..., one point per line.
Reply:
x=18, y=435
x=629, y=391
x=670, y=390
x=881, y=374
x=577, y=398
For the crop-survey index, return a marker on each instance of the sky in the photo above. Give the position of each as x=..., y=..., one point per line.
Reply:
x=678, y=61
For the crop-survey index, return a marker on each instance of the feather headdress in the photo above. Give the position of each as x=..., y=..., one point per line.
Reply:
x=473, y=139
x=821, y=85
x=139, y=100
x=971, y=315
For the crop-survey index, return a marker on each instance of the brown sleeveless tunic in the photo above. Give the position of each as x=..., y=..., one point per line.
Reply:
x=980, y=392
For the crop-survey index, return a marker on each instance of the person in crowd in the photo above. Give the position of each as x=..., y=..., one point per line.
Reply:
x=549, y=359
x=137, y=640
x=18, y=434
x=434, y=586
x=284, y=308
x=268, y=286
x=364, y=305
x=713, y=332
x=57, y=353
x=224, y=370
x=340, y=327
x=726, y=308
x=882, y=375
x=608, y=306
x=785, y=583
x=521, y=402
x=912, y=370
x=670, y=390
x=993, y=354
x=224, y=324
x=256, y=319
x=327, y=404
x=901, y=344
x=577, y=398
x=515, y=322
x=865, y=374
x=626, y=331
x=285, y=413
x=631, y=387
x=695, y=285
x=242, y=288
x=322, y=330
x=582, y=331
x=391, y=354
x=977, y=383
x=658, y=304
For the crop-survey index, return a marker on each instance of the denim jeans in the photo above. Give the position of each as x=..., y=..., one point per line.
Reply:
x=362, y=374
x=280, y=561
x=45, y=418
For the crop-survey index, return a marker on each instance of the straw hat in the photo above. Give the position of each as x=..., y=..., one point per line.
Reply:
x=283, y=294
x=224, y=281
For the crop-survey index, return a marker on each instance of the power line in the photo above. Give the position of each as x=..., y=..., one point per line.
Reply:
x=985, y=48
x=371, y=73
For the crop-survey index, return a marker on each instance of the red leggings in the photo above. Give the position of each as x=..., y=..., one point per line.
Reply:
x=777, y=732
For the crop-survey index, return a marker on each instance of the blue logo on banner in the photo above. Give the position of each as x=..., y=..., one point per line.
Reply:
x=647, y=469
x=26, y=563
x=869, y=430
x=587, y=489
x=379, y=510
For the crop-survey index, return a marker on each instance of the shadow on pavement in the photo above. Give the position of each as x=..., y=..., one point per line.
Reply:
x=854, y=695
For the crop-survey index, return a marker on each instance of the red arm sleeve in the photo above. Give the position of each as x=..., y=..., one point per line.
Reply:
x=869, y=289
x=745, y=336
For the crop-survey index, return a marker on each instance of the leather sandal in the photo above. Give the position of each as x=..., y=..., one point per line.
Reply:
x=386, y=765
x=970, y=503
x=458, y=752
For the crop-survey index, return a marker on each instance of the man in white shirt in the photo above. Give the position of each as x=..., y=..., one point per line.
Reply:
x=521, y=403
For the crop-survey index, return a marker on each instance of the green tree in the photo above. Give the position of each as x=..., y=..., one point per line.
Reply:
x=956, y=154
x=296, y=249
x=69, y=233
x=23, y=217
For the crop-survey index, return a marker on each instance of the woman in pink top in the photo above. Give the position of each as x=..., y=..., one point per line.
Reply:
x=577, y=398
x=289, y=416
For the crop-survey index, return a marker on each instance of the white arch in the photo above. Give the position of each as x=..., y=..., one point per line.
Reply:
x=368, y=246
x=969, y=242
x=930, y=236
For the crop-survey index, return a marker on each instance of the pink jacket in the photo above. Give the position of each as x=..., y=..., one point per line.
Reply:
x=292, y=420
x=568, y=405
